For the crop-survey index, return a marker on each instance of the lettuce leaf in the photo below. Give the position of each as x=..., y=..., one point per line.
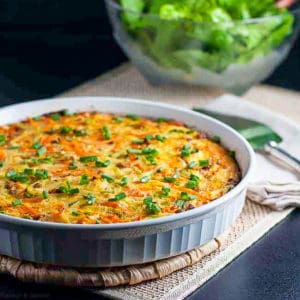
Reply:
x=210, y=34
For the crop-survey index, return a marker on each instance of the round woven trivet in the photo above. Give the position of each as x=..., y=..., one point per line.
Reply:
x=105, y=277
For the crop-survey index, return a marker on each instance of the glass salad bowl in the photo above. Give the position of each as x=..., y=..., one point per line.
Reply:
x=169, y=47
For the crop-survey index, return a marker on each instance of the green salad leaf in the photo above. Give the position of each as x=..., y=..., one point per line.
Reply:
x=211, y=34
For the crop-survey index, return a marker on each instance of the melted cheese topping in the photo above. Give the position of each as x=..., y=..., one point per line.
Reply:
x=92, y=168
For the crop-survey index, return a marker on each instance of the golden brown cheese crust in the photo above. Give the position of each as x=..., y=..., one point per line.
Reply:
x=91, y=168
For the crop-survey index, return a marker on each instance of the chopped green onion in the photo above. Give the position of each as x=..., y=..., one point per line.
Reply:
x=65, y=130
x=145, y=179
x=192, y=164
x=134, y=151
x=45, y=194
x=138, y=141
x=216, y=139
x=1, y=164
x=160, y=138
x=91, y=199
x=185, y=151
x=106, y=133
x=149, y=137
x=151, y=207
x=185, y=196
x=36, y=145
x=108, y=178
x=204, y=163
x=124, y=181
x=41, y=151
x=2, y=139
x=161, y=120
x=84, y=179
x=36, y=118
x=118, y=197
x=101, y=164
x=171, y=179
x=151, y=151
x=75, y=213
x=118, y=119
x=41, y=174
x=72, y=166
x=166, y=191
x=79, y=132
x=86, y=159
x=68, y=190
x=180, y=203
x=193, y=181
x=14, y=176
x=151, y=159
x=28, y=171
x=17, y=202
x=132, y=117
x=55, y=117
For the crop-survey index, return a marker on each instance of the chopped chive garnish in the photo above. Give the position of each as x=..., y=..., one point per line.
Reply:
x=14, y=176
x=161, y=120
x=68, y=190
x=149, y=137
x=231, y=153
x=192, y=164
x=108, y=178
x=171, y=179
x=150, y=151
x=124, y=181
x=41, y=151
x=118, y=119
x=55, y=117
x=2, y=139
x=138, y=141
x=151, y=207
x=45, y=194
x=134, y=151
x=36, y=118
x=79, y=132
x=151, y=159
x=36, y=145
x=160, y=138
x=91, y=199
x=159, y=170
x=86, y=159
x=165, y=191
x=145, y=179
x=84, y=179
x=97, y=222
x=193, y=181
x=216, y=139
x=204, y=163
x=180, y=203
x=101, y=164
x=106, y=133
x=1, y=164
x=28, y=171
x=17, y=202
x=185, y=196
x=75, y=213
x=185, y=151
x=41, y=174
x=72, y=166
x=118, y=197
x=65, y=130
x=132, y=117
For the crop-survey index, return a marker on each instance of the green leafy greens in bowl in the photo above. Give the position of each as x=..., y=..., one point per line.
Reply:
x=210, y=34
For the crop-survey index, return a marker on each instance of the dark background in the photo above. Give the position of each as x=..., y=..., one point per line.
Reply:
x=48, y=46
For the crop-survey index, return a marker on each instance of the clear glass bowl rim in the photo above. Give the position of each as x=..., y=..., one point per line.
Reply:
x=294, y=11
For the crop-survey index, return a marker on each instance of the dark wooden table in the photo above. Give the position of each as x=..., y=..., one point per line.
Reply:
x=44, y=53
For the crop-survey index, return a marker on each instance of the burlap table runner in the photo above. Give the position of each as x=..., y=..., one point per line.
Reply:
x=200, y=264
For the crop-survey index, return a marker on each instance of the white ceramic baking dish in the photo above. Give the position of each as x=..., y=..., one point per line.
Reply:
x=138, y=242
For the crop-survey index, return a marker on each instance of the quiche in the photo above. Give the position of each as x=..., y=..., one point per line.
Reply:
x=93, y=168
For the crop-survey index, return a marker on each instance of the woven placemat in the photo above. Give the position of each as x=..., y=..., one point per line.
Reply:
x=199, y=265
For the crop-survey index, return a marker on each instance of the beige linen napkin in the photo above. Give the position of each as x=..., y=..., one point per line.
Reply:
x=273, y=184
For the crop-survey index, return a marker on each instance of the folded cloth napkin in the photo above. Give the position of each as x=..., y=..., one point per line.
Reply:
x=272, y=185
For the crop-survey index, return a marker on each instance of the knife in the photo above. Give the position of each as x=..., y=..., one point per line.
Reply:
x=260, y=136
